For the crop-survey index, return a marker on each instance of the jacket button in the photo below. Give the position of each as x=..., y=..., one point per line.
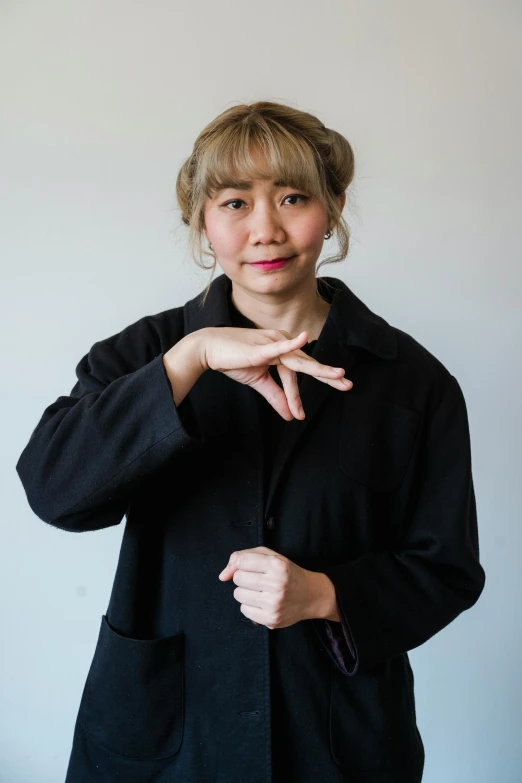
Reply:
x=270, y=523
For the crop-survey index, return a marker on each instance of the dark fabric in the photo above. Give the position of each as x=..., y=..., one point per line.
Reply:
x=273, y=428
x=373, y=488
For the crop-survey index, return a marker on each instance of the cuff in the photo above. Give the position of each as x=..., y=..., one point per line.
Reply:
x=337, y=639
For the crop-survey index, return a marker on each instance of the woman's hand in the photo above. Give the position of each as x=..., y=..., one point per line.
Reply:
x=275, y=592
x=246, y=354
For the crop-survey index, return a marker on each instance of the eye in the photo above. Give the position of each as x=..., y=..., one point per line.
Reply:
x=240, y=201
x=235, y=201
x=298, y=195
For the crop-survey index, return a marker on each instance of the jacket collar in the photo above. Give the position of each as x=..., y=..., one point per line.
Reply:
x=355, y=324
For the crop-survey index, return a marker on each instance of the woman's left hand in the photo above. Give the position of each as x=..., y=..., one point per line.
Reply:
x=272, y=590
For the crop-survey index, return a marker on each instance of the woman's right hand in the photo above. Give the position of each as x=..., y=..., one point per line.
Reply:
x=246, y=354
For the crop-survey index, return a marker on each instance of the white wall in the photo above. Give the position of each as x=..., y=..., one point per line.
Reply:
x=100, y=104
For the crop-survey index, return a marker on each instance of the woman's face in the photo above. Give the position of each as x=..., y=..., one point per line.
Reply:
x=263, y=222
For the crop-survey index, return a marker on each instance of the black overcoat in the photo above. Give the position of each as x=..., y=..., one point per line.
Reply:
x=374, y=488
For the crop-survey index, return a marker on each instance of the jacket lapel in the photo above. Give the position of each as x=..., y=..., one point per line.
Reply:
x=349, y=325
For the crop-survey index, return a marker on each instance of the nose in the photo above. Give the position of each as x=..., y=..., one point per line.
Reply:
x=266, y=226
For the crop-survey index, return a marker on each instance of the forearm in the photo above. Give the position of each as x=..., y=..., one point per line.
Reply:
x=93, y=447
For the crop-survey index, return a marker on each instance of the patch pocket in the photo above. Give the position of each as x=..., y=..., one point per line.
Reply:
x=372, y=723
x=133, y=700
x=376, y=440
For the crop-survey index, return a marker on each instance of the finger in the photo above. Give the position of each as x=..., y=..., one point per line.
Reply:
x=251, y=598
x=338, y=383
x=274, y=394
x=257, y=561
x=251, y=612
x=264, y=353
x=301, y=362
x=289, y=381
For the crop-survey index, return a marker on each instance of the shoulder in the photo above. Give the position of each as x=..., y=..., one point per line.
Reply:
x=421, y=378
x=411, y=352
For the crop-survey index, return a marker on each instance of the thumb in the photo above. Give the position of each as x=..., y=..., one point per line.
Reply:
x=228, y=570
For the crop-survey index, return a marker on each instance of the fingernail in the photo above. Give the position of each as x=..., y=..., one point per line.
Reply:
x=347, y=382
x=301, y=410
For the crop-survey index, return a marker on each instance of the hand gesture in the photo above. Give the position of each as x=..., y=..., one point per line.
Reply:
x=246, y=354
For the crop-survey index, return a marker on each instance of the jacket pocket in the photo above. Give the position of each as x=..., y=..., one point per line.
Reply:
x=133, y=700
x=372, y=722
x=376, y=440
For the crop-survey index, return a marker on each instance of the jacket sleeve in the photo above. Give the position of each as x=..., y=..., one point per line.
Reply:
x=395, y=600
x=91, y=448
x=339, y=638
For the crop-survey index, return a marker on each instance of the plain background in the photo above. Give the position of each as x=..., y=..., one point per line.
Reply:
x=101, y=103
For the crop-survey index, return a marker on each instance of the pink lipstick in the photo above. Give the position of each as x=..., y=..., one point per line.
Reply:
x=276, y=263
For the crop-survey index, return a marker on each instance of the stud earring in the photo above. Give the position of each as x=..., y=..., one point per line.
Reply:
x=328, y=235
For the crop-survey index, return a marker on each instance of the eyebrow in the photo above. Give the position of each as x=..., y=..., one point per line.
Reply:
x=247, y=185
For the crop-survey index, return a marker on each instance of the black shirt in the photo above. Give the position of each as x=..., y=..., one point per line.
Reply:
x=273, y=427
x=273, y=424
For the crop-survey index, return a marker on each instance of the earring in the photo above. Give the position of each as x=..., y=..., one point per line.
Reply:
x=328, y=235
x=210, y=246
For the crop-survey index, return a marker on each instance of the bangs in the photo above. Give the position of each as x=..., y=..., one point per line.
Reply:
x=266, y=151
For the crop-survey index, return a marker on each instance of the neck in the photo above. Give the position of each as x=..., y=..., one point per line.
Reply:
x=292, y=312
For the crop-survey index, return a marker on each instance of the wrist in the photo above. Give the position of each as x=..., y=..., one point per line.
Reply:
x=183, y=366
x=323, y=605
x=189, y=352
x=197, y=346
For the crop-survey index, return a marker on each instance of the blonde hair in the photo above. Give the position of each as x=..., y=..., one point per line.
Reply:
x=298, y=149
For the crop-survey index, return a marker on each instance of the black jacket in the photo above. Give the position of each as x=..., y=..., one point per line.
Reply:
x=374, y=488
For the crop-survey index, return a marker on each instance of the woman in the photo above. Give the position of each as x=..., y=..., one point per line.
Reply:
x=277, y=564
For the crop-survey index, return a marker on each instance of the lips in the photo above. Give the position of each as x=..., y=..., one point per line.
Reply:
x=271, y=261
x=266, y=266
